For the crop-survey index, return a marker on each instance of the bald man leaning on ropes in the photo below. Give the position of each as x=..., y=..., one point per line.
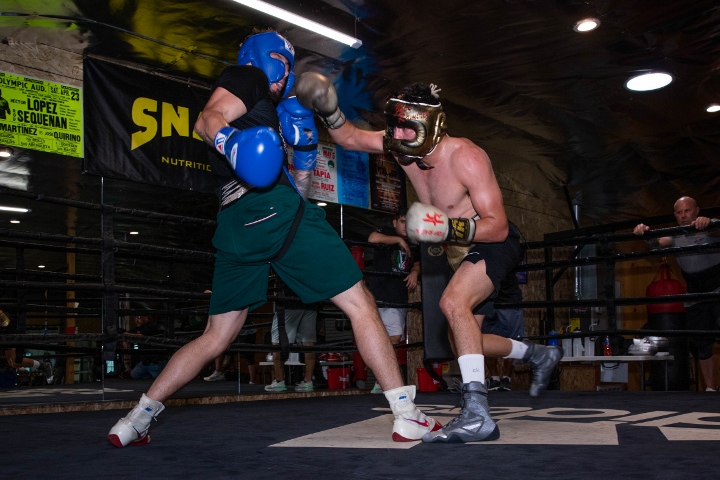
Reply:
x=702, y=274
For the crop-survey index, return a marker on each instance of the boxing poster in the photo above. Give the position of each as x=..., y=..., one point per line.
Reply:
x=388, y=184
x=323, y=186
x=41, y=115
x=139, y=127
x=353, y=181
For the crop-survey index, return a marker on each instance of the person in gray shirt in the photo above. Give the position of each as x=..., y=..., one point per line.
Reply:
x=702, y=274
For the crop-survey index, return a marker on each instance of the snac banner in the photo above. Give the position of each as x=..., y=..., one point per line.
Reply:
x=41, y=115
x=139, y=126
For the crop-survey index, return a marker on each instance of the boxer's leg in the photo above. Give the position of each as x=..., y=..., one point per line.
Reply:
x=187, y=362
x=374, y=345
x=468, y=287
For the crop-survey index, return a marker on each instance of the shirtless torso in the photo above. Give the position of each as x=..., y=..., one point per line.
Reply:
x=461, y=182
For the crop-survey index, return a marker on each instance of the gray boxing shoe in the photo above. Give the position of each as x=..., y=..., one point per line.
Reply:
x=473, y=424
x=542, y=360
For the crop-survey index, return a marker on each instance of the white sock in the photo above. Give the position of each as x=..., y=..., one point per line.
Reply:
x=472, y=368
x=36, y=364
x=518, y=349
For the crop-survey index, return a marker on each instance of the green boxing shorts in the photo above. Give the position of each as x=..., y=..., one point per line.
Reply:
x=250, y=233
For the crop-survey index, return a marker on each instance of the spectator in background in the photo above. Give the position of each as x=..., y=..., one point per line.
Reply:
x=702, y=274
x=147, y=364
x=393, y=289
x=504, y=322
x=11, y=354
x=301, y=327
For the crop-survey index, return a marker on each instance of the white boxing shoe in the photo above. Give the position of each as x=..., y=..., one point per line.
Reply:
x=410, y=423
x=133, y=428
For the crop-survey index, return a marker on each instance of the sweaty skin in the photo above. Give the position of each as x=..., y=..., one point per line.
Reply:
x=461, y=181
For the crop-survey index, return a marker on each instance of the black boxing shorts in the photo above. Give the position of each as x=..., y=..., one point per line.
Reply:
x=500, y=257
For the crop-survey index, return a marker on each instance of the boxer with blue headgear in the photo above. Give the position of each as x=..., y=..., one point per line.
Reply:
x=256, y=51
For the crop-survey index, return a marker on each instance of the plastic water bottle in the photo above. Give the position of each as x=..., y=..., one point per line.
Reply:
x=607, y=348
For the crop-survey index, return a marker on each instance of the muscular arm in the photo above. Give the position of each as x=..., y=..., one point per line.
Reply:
x=352, y=138
x=222, y=108
x=476, y=174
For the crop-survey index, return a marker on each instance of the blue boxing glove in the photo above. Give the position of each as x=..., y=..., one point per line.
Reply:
x=255, y=154
x=298, y=129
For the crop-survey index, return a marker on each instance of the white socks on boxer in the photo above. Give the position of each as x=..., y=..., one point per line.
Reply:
x=518, y=349
x=472, y=368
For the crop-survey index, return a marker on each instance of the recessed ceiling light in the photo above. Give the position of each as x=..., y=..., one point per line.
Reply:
x=134, y=233
x=14, y=209
x=322, y=204
x=649, y=81
x=586, y=25
x=14, y=221
x=712, y=108
x=41, y=266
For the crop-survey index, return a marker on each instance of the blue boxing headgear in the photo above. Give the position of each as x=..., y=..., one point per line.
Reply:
x=256, y=51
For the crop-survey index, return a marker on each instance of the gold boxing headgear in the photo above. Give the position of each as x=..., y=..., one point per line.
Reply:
x=428, y=122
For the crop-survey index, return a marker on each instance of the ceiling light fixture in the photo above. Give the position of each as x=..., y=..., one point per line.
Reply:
x=6, y=151
x=41, y=266
x=301, y=22
x=649, y=81
x=14, y=209
x=134, y=233
x=14, y=221
x=586, y=25
x=322, y=204
x=712, y=108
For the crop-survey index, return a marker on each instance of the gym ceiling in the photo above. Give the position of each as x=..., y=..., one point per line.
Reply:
x=547, y=103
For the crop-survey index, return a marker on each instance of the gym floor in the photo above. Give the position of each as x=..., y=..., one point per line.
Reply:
x=573, y=435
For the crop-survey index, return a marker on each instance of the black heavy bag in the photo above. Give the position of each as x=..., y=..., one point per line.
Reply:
x=435, y=276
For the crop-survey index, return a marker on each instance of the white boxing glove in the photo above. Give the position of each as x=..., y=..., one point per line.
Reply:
x=426, y=223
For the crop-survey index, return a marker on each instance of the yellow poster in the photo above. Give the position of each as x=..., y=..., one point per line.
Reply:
x=41, y=115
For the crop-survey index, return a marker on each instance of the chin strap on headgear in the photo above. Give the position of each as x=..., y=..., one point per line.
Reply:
x=428, y=122
x=256, y=51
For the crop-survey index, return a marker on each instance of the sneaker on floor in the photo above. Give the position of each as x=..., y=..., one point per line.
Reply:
x=473, y=424
x=133, y=428
x=708, y=389
x=47, y=370
x=542, y=360
x=493, y=384
x=276, y=386
x=410, y=423
x=215, y=377
x=304, y=386
x=376, y=389
x=504, y=384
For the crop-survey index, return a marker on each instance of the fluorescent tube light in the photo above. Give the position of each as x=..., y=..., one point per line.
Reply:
x=301, y=22
x=14, y=209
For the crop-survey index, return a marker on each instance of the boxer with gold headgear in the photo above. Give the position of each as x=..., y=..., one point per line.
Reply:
x=418, y=108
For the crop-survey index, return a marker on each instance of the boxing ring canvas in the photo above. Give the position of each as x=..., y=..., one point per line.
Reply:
x=560, y=435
